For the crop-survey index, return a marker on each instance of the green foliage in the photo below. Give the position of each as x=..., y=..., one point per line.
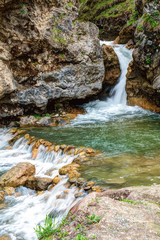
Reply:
x=149, y=18
x=80, y=237
x=48, y=229
x=70, y=4
x=140, y=28
x=64, y=222
x=148, y=60
x=131, y=201
x=93, y=219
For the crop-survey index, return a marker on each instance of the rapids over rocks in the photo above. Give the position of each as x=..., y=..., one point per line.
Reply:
x=127, y=137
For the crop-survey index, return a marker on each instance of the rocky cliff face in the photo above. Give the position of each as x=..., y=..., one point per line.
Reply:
x=143, y=79
x=46, y=55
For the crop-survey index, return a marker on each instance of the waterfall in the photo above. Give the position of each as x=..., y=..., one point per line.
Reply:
x=116, y=104
x=22, y=213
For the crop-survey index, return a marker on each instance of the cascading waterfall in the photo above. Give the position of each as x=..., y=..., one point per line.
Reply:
x=115, y=105
x=22, y=213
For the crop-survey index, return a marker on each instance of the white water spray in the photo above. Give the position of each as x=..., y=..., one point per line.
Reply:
x=24, y=211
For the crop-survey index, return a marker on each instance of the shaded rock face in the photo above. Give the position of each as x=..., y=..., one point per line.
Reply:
x=144, y=72
x=46, y=54
x=18, y=175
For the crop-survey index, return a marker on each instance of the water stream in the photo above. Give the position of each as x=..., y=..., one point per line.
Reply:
x=128, y=138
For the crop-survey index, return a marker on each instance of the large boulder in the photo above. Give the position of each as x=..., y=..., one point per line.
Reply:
x=18, y=175
x=47, y=56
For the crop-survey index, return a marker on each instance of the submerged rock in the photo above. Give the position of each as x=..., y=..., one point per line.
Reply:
x=18, y=175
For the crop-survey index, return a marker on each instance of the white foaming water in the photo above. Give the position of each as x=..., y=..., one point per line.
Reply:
x=25, y=211
x=114, y=106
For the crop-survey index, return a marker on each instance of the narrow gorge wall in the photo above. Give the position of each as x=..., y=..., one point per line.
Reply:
x=46, y=55
x=143, y=79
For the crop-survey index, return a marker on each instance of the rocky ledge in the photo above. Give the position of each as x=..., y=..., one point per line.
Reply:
x=46, y=56
x=129, y=213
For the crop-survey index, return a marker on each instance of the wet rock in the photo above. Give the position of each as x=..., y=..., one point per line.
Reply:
x=1, y=196
x=28, y=121
x=5, y=237
x=34, y=153
x=46, y=121
x=38, y=183
x=3, y=206
x=112, y=66
x=56, y=180
x=80, y=194
x=18, y=175
x=73, y=174
x=9, y=190
x=68, y=168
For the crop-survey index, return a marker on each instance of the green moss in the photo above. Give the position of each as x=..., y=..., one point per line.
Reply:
x=95, y=10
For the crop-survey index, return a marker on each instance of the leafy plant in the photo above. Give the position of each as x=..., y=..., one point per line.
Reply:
x=80, y=237
x=46, y=230
x=93, y=219
x=131, y=201
x=148, y=60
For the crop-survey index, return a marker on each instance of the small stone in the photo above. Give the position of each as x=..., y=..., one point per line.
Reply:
x=9, y=190
x=56, y=180
x=1, y=196
x=9, y=147
x=57, y=148
x=2, y=206
x=80, y=194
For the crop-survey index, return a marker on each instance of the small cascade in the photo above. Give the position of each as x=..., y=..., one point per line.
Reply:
x=24, y=212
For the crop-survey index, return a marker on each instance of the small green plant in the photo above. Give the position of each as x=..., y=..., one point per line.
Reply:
x=46, y=230
x=148, y=60
x=93, y=236
x=156, y=14
x=131, y=201
x=140, y=28
x=37, y=116
x=62, y=56
x=48, y=115
x=80, y=227
x=149, y=18
x=70, y=4
x=93, y=219
x=64, y=222
x=80, y=237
